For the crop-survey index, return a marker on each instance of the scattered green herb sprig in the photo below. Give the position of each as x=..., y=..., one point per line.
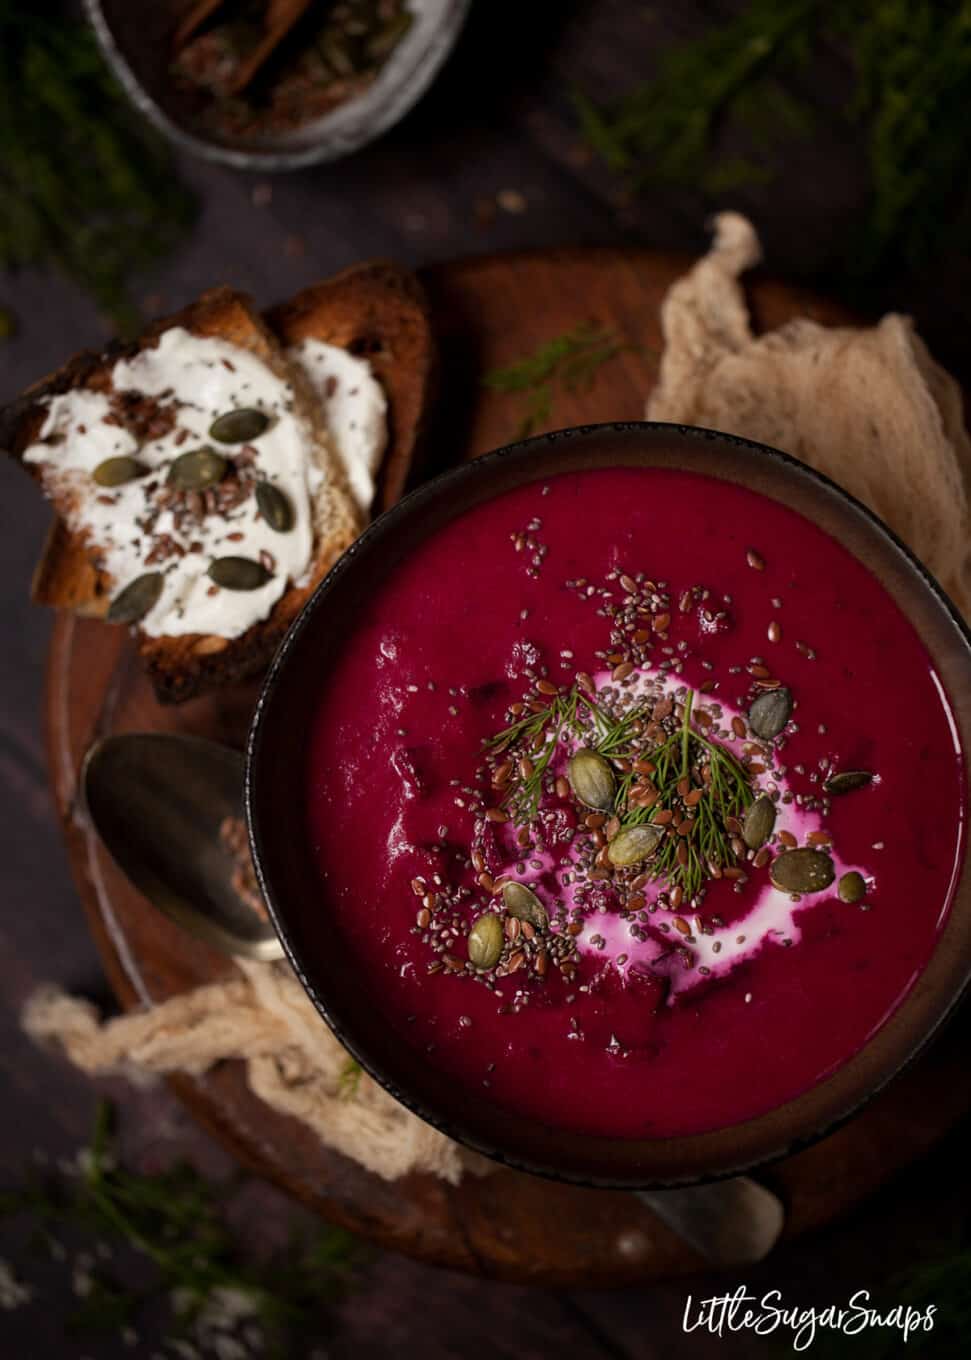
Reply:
x=349, y=1079
x=175, y=1219
x=662, y=130
x=85, y=187
x=570, y=361
x=538, y=736
x=727, y=793
x=912, y=65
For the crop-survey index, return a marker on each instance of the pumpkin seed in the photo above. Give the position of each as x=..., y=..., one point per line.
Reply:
x=522, y=903
x=137, y=598
x=239, y=427
x=848, y=780
x=118, y=471
x=592, y=779
x=759, y=822
x=634, y=844
x=197, y=469
x=274, y=505
x=485, y=941
x=238, y=573
x=770, y=713
x=802, y=871
x=852, y=887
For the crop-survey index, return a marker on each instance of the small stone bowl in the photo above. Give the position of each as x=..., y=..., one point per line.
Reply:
x=136, y=42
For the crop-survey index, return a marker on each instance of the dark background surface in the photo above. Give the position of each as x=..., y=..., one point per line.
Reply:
x=498, y=119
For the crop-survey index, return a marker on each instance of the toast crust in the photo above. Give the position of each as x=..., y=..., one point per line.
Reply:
x=377, y=311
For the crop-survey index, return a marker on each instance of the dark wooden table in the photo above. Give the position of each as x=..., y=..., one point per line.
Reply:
x=498, y=119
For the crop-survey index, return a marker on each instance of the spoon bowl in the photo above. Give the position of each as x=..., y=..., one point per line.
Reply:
x=159, y=802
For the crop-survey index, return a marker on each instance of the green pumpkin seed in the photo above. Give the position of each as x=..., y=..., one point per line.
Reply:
x=239, y=427
x=634, y=844
x=592, y=779
x=802, y=871
x=197, y=469
x=852, y=887
x=274, y=506
x=523, y=903
x=118, y=471
x=759, y=822
x=486, y=941
x=848, y=780
x=238, y=573
x=770, y=713
x=137, y=598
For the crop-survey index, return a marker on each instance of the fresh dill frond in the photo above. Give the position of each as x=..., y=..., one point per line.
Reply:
x=349, y=1079
x=911, y=63
x=538, y=738
x=615, y=736
x=688, y=758
x=176, y=1220
x=570, y=361
x=686, y=765
x=662, y=130
x=86, y=187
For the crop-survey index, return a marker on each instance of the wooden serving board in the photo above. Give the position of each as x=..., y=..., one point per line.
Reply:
x=507, y=1225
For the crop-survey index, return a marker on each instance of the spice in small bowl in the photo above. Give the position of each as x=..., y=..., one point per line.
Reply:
x=331, y=56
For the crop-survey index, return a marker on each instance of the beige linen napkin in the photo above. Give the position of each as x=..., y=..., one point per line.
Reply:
x=293, y=1062
x=868, y=407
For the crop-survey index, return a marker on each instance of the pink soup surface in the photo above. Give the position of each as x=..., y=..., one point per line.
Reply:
x=625, y=1047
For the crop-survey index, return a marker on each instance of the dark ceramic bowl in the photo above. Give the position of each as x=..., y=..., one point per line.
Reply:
x=291, y=883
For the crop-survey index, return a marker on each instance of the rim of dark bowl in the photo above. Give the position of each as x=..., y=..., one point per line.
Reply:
x=399, y=97
x=784, y=1129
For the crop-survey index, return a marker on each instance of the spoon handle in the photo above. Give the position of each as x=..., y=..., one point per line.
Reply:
x=733, y=1222
x=281, y=17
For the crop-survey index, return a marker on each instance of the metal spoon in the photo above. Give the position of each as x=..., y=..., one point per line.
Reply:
x=158, y=802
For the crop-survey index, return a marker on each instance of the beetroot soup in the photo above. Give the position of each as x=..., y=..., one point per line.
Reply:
x=637, y=802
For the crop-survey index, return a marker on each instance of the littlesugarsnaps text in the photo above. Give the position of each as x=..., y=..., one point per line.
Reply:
x=765, y=1315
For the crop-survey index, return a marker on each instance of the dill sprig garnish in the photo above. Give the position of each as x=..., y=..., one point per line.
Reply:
x=175, y=1219
x=726, y=792
x=570, y=361
x=912, y=65
x=538, y=735
x=85, y=186
x=615, y=737
x=686, y=764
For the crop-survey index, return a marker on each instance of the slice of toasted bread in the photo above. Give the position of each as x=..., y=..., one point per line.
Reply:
x=69, y=577
x=377, y=311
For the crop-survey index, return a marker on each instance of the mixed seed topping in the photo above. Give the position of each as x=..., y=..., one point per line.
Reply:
x=620, y=795
x=199, y=482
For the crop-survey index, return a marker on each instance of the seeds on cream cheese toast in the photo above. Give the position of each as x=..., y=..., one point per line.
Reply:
x=205, y=478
